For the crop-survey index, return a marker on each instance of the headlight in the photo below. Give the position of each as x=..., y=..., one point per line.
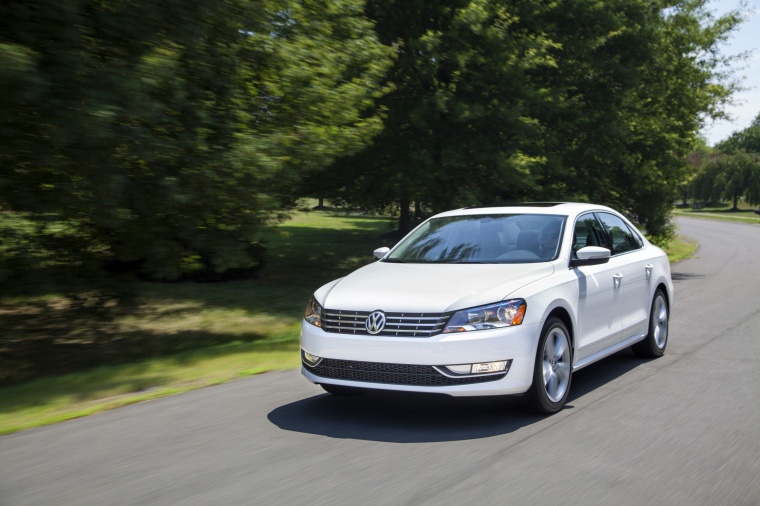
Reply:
x=313, y=313
x=493, y=316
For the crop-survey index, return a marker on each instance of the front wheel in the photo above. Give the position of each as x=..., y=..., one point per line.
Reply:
x=553, y=369
x=656, y=340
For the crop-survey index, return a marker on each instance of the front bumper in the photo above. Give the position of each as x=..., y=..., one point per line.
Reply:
x=515, y=344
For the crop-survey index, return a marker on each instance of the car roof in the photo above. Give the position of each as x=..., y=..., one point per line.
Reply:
x=552, y=208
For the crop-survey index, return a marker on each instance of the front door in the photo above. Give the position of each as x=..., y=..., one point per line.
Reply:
x=599, y=293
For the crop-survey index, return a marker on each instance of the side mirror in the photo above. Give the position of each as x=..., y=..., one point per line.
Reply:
x=379, y=253
x=590, y=255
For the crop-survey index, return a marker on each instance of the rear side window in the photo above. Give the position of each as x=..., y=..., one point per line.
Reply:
x=623, y=238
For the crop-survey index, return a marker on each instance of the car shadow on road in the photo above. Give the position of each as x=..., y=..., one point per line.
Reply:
x=396, y=417
x=685, y=276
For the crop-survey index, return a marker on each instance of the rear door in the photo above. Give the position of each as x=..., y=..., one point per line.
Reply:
x=632, y=269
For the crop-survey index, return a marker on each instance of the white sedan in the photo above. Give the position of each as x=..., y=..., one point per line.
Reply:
x=492, y=301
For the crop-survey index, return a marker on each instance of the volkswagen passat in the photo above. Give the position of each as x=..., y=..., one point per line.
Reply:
x=493, y=301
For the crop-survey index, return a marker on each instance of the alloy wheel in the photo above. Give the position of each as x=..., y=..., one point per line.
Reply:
x=556, y=364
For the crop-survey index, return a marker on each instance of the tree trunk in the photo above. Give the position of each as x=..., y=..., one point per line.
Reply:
x=417, y=211
x=736, y=203
x=404, y=219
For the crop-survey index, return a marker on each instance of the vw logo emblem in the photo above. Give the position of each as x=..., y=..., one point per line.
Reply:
x=375, y=322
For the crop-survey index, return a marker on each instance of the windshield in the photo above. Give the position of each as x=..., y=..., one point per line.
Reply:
x=503, y=238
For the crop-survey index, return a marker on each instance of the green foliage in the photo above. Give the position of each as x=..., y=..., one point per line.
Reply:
x=638, y=79
x=459, y=130
x=170, y=132
x=730, y=177
x=694, y=162
x=734, y=172
x=575, y=100
x=744, y=140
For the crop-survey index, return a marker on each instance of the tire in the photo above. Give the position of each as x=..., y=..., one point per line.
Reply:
x=552, y=371
x=341, y=389
x=656, y=341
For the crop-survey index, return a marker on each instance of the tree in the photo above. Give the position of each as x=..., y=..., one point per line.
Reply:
x=458, y=129
x=638, y=81
x=734, y=172
x=730, y=177
x=170, y=132
x=694, y=163
x=499, y=100
x=744, y=140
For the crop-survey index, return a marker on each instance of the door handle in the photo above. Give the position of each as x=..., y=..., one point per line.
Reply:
x=648, y=268
x=617, y=279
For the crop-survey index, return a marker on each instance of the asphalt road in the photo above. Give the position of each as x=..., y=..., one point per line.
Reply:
x=682, y=429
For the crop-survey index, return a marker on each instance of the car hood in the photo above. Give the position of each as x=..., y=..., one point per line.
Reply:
x=428, y=288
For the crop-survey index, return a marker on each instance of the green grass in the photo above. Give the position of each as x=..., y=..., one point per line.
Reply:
x=680, y=248
x=725, y=212
x=94, y=345
x=51, y=400
x=70, y=349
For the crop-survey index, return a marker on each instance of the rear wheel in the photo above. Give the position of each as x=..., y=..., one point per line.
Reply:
x=656, y=340
x=553, y=369
x=341, y=389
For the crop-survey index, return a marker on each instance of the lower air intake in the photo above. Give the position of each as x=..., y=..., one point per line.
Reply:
x=394, y=374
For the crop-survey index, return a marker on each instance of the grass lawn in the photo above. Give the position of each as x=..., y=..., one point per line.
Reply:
x=96, y=345
x=725, y=212
x=69, y=350
x=680, y=248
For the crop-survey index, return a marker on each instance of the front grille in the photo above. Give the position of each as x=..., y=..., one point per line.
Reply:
x=395, y=374
x=396, y=324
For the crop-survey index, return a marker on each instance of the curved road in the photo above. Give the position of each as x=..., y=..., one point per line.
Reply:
x=682, y=429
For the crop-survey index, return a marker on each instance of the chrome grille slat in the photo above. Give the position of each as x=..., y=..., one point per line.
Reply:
x=410, y=324
x=415, y=318
x=414, y=331
x=396, y=325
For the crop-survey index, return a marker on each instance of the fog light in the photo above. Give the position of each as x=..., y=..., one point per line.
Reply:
x=481, y=368
x=311, y=360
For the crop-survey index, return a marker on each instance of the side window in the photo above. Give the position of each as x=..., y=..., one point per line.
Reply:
x=588, y=232
x=636, y=239
x=623, y=238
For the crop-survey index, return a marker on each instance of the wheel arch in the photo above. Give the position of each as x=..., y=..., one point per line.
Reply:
x=661, y=286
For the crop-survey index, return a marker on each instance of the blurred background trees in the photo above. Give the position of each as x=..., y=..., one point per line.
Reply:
x=730, y=177
x=498, y=101
x=167, y=134
x=733, y=171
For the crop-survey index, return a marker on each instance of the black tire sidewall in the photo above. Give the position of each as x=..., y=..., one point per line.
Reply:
x=647, y=347
x=656, y=350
